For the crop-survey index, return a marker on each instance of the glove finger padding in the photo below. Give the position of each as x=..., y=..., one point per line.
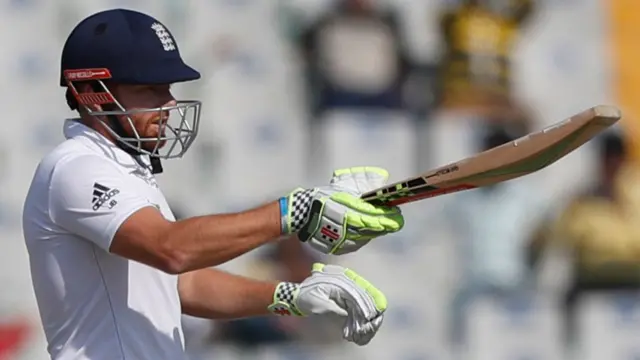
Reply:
x=360, y=180
x=352, y=290
x=362, y=333
x=314, y=300
x=332, y=290
x=365, y=303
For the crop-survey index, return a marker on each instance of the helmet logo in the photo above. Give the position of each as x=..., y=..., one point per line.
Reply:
x=163, y=35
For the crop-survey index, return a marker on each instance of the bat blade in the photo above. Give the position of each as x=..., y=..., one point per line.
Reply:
x=514, y=159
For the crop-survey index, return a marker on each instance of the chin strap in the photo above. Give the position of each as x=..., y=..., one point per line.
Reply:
x=156, y=166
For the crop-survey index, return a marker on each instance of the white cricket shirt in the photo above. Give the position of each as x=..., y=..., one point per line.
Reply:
x=93, y=304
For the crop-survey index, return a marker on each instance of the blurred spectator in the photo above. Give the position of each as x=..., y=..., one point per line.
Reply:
x=599, y=228
x=357, y=67
x=355, y=57
x=474, y=86
x=492, y=225
x=479, y=36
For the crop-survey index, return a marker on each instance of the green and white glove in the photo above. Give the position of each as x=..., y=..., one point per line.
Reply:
x=334, y=290
x=333, y=219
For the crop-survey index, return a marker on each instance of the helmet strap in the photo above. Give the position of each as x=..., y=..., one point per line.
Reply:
x=156, y=165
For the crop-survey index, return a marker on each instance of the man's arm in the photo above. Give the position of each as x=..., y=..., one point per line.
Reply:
x=194, y=243
x=330, y=290
x=214, y=294
x=128, y=225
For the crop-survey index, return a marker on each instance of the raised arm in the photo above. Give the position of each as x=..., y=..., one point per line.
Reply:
x=127, y=224
x=194, y=243
x=331, y=219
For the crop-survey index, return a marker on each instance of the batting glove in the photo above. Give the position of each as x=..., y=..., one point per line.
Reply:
x=334, y=290
x=333, y=219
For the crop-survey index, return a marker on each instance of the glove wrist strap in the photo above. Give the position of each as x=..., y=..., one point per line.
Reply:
x=283, y=300
x=294, y=210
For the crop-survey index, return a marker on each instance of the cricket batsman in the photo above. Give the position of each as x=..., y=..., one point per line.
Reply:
x=112, y=269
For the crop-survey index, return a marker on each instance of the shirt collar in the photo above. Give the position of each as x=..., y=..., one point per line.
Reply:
x=74, y=129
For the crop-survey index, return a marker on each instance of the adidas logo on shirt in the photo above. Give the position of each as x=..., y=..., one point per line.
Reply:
x=103, y=195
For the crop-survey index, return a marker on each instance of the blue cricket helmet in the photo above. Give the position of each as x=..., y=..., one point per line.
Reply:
x=128, y=47
x=134, y=47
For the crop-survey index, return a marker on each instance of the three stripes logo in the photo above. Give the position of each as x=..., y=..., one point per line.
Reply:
x=103, y=195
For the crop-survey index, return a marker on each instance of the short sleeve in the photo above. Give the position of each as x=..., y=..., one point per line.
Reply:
x=90, y=197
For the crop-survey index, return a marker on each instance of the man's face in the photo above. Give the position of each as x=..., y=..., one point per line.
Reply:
x=148, y=124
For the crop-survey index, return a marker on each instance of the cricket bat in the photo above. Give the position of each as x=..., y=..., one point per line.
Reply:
x=514, y=159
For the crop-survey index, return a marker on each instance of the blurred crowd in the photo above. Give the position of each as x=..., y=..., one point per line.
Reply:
x=542, y=267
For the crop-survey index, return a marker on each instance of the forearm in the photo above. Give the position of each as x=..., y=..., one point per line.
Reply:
x=214, y=294
x=207, y=241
